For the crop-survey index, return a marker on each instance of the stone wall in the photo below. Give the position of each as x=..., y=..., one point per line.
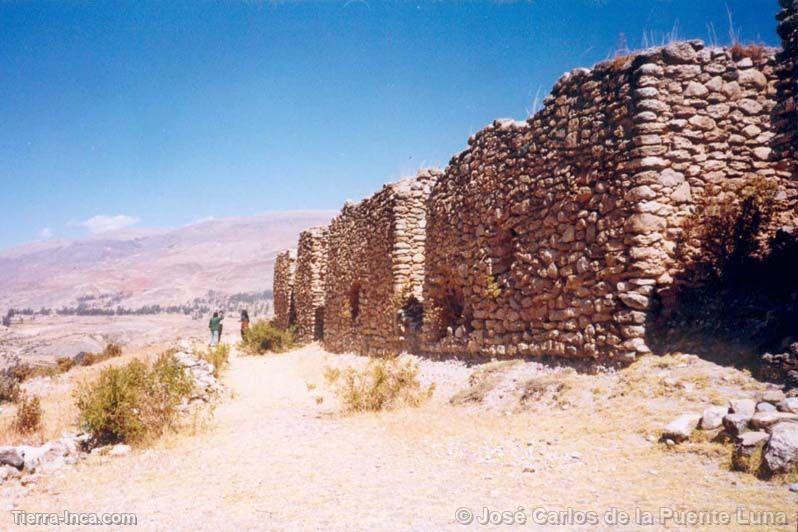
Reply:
x=283, y=289
x=550, y=236
x=311, y=268
x=376, y=269
x=786, y=114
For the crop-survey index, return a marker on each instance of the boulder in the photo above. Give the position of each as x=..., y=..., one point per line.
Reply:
x=712, y=417
x=765, y=407
x=790, y=404
x=10, y=456
x=780, y=454
x=736, y=424
x=119, y=450
x=748, y=451
x=682, y=427
x=772, y=396
x=678, y=53
x=742, y=406
x=763, y=420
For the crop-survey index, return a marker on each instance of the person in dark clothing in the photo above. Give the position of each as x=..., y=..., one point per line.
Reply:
x=215, y=326
x=244, y=324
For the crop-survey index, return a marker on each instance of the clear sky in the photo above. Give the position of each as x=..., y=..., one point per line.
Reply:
x=160, y=114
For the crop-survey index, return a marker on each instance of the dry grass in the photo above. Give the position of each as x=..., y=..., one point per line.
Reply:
x=383, y=384
x=756, y=51
x=29, y=415
x=59, y=414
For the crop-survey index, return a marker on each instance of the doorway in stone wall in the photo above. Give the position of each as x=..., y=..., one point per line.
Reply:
x=318, y=324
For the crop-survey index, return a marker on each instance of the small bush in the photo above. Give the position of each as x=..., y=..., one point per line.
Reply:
x=720, y=238
x=382, y=384
x=264, y=337
x=219, y=356
x=756, y=51
x=134, y=402
x=9, y=388
x=64, y=364
x=29, y=415
x=88, y=359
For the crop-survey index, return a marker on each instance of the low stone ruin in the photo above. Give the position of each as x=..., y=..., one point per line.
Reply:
x=764, y=431
x=375, y=269
x=311, y=268
x=283, y=289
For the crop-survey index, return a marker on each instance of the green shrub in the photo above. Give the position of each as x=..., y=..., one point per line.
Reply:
x=29, y=415
x=219, y=356
x=133, y=403
x=382, y=384
x=264, y=337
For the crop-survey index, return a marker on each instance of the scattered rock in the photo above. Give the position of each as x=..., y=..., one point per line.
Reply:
x=773, y=396
x=742, y=406
x=763, y=420
x=681, y=428
x=765, y=407
x=794, y=487
x=712, y=417
x=781, y=451
x=747, y=455
x=736, y=424
x=11, y=457
x=789, y=404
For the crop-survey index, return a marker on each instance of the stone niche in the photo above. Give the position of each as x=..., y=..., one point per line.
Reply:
x=376, y=269
x=554, y=236
x=283, y=289
x=311, y=268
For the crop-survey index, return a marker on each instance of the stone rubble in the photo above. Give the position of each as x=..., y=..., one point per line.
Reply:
x=769, y=434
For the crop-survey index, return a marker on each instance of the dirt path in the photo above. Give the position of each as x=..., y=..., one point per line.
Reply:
x=272, y=459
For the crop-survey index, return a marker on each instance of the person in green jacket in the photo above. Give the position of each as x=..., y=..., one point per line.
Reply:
x=216, y=328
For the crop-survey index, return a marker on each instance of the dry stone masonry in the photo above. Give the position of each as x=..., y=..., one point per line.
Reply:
x=376, y=269
x=311, y=267
x=283, y=289
x=550, y=236
x=558, y=235
x=787, y=110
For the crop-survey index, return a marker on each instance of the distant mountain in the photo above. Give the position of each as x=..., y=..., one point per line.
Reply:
x=145, y=267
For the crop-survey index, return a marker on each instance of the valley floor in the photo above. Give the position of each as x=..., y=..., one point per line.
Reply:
x=272, y=458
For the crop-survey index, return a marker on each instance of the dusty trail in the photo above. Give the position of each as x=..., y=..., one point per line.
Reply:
x=272, y=459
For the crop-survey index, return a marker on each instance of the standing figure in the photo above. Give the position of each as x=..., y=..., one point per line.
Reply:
x=216, y=328
x=244, y=324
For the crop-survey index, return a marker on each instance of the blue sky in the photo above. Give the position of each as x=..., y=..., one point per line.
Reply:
x=160, y=114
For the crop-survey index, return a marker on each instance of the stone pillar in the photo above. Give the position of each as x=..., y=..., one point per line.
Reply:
x=283, y=290
x=311, y=267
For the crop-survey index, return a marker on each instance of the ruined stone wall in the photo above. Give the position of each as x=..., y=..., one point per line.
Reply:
x=376, y=269
x=549, y=237
x=311, y=269
x=786, y=113
x=283, y=289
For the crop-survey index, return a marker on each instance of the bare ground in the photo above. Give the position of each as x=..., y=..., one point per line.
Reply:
x=274, y=459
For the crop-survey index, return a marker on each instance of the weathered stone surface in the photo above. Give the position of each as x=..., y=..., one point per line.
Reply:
x=789, y=404
x=682, y=427
x=283, y=289
x=780, y=454
x=309, y=277
x=376, y=268
x=742, y=406
x=712, y=417
x=736, y=423
x=763, y=420
x=11, y=457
